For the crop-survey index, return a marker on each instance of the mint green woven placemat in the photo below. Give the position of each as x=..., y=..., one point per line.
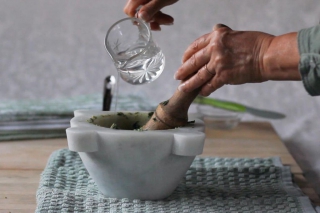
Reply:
x=25, y=112
x=219, y=185
x=22, y=110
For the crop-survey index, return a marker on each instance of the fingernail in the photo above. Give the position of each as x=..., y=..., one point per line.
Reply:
x=168, y=24
x=152, y=20
x=181, y=86
x=145, y=16
x=175, y=76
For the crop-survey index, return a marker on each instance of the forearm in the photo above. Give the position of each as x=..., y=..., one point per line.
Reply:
x=281, y=59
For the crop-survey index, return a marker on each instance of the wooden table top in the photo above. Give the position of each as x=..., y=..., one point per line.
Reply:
x=21, y=162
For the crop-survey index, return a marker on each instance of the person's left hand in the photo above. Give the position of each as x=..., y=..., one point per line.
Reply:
x=221, y=57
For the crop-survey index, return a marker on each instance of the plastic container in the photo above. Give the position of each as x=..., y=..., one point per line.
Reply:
x=218, y=118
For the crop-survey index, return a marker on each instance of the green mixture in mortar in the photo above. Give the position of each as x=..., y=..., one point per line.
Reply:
x=122, y=120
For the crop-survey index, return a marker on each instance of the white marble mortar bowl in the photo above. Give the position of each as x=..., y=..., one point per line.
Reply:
x=124, y=163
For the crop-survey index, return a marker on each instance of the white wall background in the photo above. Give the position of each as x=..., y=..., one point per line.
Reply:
x=52, y=49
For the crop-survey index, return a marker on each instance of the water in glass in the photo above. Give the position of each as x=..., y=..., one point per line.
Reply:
x=136, y=56
x=145, y=67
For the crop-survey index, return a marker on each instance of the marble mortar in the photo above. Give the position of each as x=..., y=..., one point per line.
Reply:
x=146, y=165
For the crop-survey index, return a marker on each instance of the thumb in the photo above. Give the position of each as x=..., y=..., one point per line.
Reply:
x=217, y=26
x=148, y=10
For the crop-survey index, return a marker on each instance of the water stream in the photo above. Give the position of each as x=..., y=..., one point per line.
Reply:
x=116, y=93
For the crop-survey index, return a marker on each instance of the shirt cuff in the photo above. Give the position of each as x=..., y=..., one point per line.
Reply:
x=309, y=65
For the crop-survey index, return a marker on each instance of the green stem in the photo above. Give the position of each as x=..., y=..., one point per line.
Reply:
x=227, y=105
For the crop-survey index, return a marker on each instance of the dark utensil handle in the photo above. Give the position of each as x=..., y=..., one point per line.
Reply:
x=107, y=92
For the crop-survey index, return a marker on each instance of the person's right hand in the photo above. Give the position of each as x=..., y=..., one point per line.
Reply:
x=225, y=56
x=150, y=11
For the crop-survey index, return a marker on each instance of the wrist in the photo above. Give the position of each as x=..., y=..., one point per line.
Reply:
x=280, y=60
x=264, y=57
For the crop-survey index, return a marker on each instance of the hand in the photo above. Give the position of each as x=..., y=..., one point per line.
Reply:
x=150, y=11
x=223, y=57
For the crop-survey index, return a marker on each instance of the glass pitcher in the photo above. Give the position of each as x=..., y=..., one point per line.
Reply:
x=136, y=56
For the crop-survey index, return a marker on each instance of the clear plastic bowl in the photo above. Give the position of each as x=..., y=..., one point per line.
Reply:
x=218, y=118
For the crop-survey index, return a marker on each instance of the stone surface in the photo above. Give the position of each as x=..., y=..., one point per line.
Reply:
x=145, y=165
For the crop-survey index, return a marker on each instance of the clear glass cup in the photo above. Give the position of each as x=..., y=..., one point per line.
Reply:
x=136, y=56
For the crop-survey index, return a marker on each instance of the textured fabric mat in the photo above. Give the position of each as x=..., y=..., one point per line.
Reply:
x=211, y=185
x=22, y=110
x=33, y=119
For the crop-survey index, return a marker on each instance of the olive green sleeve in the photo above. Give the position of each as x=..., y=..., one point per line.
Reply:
x=309, y=65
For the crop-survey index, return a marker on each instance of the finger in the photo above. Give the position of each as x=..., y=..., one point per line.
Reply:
x=155, y=26
x=163, y=19
x=218, y=26
x=131, y=6
x=211, y=86
x=198, y=44
x=197, y=80
x=193, y=64
x=149, y=9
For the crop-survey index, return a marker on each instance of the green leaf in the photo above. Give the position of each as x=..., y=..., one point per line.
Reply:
x=227, y=105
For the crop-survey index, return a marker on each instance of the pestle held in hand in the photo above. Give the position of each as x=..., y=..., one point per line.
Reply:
x=173, y=112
